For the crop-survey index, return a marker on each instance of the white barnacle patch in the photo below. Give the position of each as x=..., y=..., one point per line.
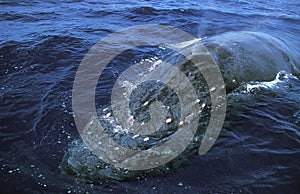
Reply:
x=169, y=120
x=146, y=139
x=212, y=89
x=107, y=115
x=116, y=130
x=203, y=105
x=131, y=118
x=135, y=136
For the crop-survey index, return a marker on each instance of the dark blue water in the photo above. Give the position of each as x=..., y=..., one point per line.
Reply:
x=43, y=42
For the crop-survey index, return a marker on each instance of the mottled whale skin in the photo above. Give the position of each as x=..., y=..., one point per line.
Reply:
x=241, y=56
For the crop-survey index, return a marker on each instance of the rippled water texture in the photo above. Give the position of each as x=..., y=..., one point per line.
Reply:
x=255, y=43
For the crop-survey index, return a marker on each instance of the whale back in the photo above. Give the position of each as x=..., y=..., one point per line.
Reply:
x=252, y=56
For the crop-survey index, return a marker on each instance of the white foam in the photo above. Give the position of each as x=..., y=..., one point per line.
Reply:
x=281, y=76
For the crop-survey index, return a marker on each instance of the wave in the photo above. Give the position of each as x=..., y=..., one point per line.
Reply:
x=36, y=78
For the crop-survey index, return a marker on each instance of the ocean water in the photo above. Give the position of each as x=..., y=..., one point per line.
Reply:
x=255, y=43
